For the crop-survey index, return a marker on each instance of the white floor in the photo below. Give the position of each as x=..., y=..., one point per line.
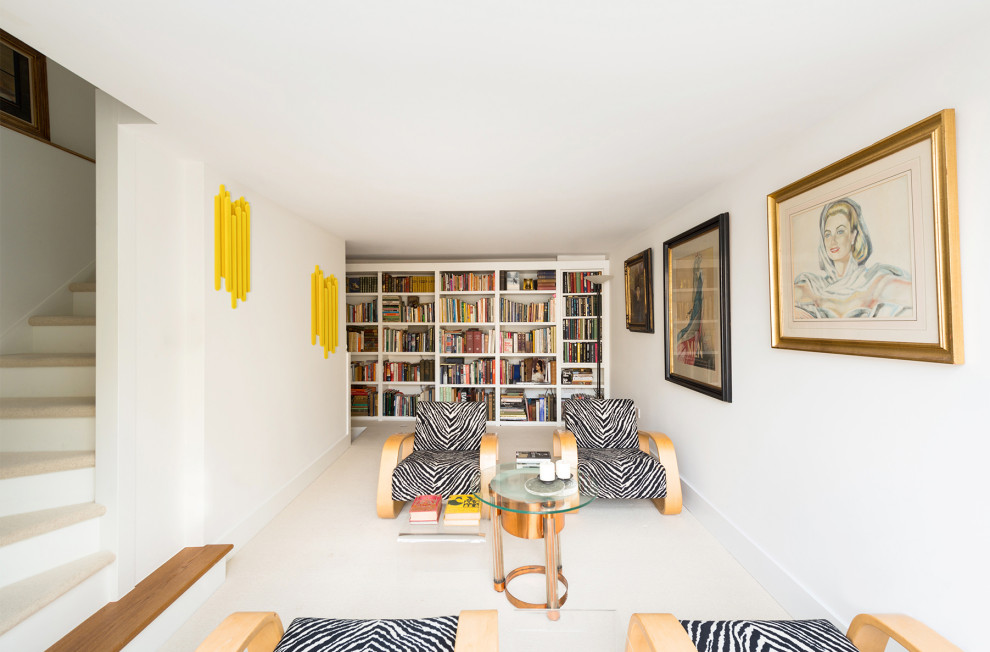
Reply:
x=327, y=554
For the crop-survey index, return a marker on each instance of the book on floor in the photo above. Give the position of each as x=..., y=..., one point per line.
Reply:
x=531, y=458
x=425, y=509
x=462, y=509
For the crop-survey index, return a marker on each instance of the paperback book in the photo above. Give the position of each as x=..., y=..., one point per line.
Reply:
x=425, y=509
x=531, y=458
x=462, y=509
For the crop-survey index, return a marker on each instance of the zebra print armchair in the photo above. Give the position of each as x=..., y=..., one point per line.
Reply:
x=448, y=454
x=867, y=633
x=604, y=443
x=262, y=632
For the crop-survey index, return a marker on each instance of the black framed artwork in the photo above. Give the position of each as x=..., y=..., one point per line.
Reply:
x=639, y=292
x=23, y=88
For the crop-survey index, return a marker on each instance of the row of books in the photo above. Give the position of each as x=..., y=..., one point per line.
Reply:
x=397, y=404
x=410, y=283
x=362, y=283
x=581, y=306
x=391, y=308
x=542, y=408
x=456, y=371
x=362, y=340
x=580, y=352
x=510, y=311
x=456, y=310
x=364, y=371
x=468, y=394
x=577, y=376
x=539, y=340
x=469, y=341
x=404, y=372
x=467, y=281
x=530, y=370
x=578, y=282
x=580, y=329
x=364, y=402
x=410, y=341
x=362, y=312
x=460, y=509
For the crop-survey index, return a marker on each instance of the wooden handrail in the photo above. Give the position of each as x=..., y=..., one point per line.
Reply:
x=55, y=145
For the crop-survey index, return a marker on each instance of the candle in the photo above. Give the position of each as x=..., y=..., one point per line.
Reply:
x=563, y=469
x=547, y=471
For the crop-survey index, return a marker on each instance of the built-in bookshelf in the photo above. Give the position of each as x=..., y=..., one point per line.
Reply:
x=516, y=336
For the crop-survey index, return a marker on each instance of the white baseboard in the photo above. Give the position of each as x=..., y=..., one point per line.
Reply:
x=246, y=529
x=786, y=590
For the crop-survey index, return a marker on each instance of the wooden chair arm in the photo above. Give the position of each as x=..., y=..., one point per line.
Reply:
x=477, y=631
x=665, y=453
x=489, y=459
x=253, y=631
x=870, y=633
x=656, y=633
x=565, y=447
x=396, y=448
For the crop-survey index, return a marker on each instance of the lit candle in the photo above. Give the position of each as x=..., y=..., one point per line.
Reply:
x=563, y=469
x=547, y=471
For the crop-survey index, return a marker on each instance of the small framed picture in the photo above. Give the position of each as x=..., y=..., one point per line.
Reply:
x=23, y=88
x=696, y=314
x=639, y=292
x=512, y=280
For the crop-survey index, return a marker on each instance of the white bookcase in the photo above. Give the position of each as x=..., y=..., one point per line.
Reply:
x=497, y=310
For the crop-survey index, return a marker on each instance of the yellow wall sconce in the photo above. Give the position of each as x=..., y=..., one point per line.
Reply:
x=323, y=314
x=232, y=245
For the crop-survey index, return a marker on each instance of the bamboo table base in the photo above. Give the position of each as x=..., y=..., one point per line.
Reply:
x=551, y=540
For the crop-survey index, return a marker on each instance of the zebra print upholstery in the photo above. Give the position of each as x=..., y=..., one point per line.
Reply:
x=340, y=635
x=436, y=472
x=621, y=473
x=449, y=426
x=766, y=636
x=602, y=423
x=610, y=461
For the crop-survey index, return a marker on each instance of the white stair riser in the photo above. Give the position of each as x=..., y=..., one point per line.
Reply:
x=64, y=339
x=22, y=559
x=44, y=628
x=84, y=304
x=47, y=381
x=26, y=435
x=33, y=492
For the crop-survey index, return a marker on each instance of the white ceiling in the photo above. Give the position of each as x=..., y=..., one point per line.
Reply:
x=460, y=128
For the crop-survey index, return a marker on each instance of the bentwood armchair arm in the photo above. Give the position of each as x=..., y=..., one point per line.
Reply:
x=565, y=447
x=671, y=504
x=869, y=633
x=489, y=459
x=396, y=448
x=477, y=631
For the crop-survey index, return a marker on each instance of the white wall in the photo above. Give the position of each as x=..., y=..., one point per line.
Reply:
x=275, y=408
x=845, y=484
x=71, y=110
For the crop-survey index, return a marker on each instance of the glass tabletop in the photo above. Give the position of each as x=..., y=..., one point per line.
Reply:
x=519, y=489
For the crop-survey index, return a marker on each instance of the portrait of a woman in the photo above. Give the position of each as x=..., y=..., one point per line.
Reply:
x=848, y=287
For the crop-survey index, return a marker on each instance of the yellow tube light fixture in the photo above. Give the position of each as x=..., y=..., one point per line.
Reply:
x=232, y=245
x=324, y=325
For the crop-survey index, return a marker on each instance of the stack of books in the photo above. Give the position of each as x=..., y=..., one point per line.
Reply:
x=512, y=405
x=462, y=509
x=425, y=510
x=531, y=458
x=391, y=308
x=577, y=376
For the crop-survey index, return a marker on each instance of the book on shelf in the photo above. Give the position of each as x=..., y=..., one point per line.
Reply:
x=577, y=376
x=391, y=308
x=425, y=509
x=531, y=458
x=462, y=509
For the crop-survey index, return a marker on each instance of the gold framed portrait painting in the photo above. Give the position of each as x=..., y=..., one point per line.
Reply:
x=864, y=254
x=696, y=309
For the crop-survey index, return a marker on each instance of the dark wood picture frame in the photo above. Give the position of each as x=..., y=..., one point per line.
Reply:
x=24, y=89
x=697, y=329
x=639, y=292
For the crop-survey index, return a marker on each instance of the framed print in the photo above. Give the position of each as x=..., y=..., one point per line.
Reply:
x=864, y=254
x=696, y=309
x=639, y=292
x=23, y=88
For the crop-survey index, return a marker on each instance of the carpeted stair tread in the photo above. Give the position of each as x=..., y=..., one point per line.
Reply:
x=18, y=465
x=62, y=320
x=21, y=599
x=47, y=407
x=82, y=287
x=48, y=360
x=18, y=527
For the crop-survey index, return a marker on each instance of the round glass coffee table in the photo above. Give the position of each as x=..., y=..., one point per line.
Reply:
x=528, y=508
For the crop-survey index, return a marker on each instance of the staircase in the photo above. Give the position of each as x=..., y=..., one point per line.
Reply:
x=53, y=573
